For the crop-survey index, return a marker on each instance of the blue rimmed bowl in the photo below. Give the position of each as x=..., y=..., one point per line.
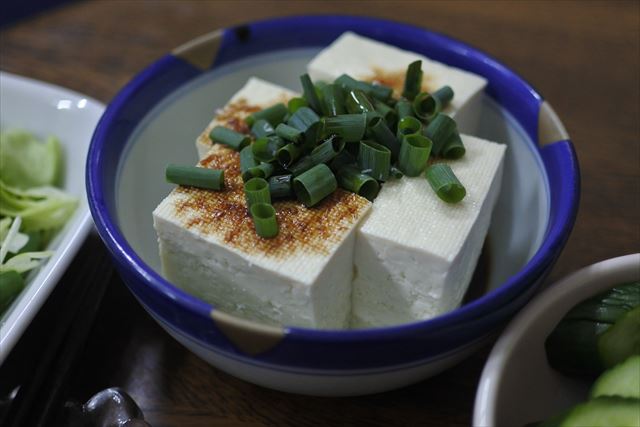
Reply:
x=155, y=119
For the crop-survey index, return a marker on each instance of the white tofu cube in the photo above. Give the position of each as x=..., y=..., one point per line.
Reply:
x=255, y=95
x=366, y=59
x=415, y=254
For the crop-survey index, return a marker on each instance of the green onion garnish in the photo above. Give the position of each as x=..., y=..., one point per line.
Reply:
x=357, y=102
x=389, y=114
x=263, y=170
x=413, y=80
x=229, y=137
x=247, y=161
x=288, y=133
x=274, y=115
x=445, y=183
x=351, y=179
x=374, y=160
x=265, y=148
x=256, y=190
x=395, y=173
x=414, y=154
x=327, y=150
x=264, y=219
x=295, y=103
x=381, y=133
x=309, y=93
x=426, y=106
x=302, y=165
x=11, y=284
x=306, y=121
x=211, y=179
x=314, y=185
x=350, y=127
x=439, y=131
x=342, y=159
x=288, y=154
x=262, y=128
x=333, y=100
x=404, y=108
x=444, y=94
x=454, y=148
x=280, y=186
x=407, y=126
x=348, y=83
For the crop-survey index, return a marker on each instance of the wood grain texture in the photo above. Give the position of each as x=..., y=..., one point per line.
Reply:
x=583, y=56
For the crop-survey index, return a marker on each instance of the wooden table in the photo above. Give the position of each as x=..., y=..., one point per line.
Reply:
x=583, y=56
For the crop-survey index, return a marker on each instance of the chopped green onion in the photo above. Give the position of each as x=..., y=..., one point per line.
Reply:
x=357, y=102
x=265, y=148
x=381, y=133
x=445, y=183
x=314, y=185
x=289, y=133
x=288, y=154
x=404, y=108
x=389, y=114
x=280, y=186
x=264, y=219
x=247, y=161
x=407, y=126
x=263, y=170
x=426, y=106
x=256, y=190
x=327, y=150
x=306, y=121
x=211, y=179
x=395, y=173
x=350, y=127
x=302, y=165
x=295, y=103
x=413, y=80
x=454, y=148
x=333, y=100
x=229, y=137
x=348, y=83
x=351, y=179
x=414, y=154
x=444, y=94
x=342, y=159
x=439, y=130
x=262, y=128
x=375, y=160
x=274, y=115
x=309, y=93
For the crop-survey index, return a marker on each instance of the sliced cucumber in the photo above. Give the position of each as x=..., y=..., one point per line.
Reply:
x=622, y=380
x=604, y=412
x=621, y=340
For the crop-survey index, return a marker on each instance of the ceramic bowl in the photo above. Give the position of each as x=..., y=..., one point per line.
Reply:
x=518, y=386
x=156, y=118
x=44, y=110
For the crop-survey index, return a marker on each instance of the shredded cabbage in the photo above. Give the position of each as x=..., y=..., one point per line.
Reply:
x=27, y=162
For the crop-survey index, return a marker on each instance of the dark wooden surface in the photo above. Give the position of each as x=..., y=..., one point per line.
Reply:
x=583, y=56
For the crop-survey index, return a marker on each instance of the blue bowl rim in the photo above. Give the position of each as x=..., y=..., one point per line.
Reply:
x=126, y=256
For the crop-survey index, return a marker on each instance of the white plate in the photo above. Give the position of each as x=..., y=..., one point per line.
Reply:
x=46, y=110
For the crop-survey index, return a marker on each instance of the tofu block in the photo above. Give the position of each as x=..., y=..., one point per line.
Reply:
x=302, y=277
x=366, y=59
x=255, y=95
x=415, y=254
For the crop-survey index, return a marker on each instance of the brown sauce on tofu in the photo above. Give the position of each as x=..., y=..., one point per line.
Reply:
x=224, y=214
x=395, y=80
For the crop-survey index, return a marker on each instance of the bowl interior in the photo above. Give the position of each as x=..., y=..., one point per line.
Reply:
x=167, y=134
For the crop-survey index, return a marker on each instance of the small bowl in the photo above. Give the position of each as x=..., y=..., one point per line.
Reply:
x=518, y=386
x=45, y=110
x=158, y=115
